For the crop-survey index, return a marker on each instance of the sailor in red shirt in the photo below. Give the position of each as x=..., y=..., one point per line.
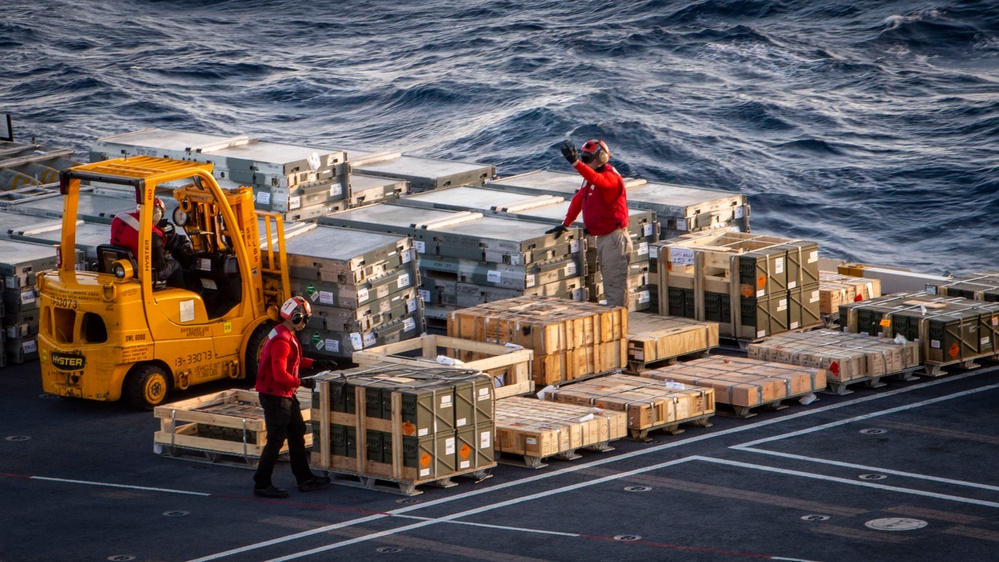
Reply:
x=125, y=233
x=277, y=381
x=604, y=206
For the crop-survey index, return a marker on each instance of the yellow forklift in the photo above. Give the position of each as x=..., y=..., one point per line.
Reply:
x=112, y=329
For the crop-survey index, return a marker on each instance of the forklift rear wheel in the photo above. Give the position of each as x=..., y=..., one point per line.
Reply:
x=146, y=387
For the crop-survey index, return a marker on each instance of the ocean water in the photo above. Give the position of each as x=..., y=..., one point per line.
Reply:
x=870, y=126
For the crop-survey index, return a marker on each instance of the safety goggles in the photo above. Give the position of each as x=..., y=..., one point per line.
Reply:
x=587, y=157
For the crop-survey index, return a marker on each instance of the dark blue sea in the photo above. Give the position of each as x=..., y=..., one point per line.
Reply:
x=870, y=126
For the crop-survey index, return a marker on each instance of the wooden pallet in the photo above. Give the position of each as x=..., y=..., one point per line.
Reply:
x=402, y=487
x=509, y=365
x=220, y=425
x=655, y=340
x=535, y=430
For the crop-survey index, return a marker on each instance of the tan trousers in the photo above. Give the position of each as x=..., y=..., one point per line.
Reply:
x=614, y=255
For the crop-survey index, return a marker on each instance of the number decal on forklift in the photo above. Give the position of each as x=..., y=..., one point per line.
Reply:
x=193, y=358
x=63, y=302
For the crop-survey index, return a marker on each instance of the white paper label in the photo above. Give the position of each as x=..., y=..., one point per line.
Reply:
x=484, y=394
x=643, y=297
x=573, y=246
x=264, y=197
x=355, y=341
x=362, y=295
x=187, y=311
x=782, y=304
x=532, y=440
x=570, y=269
x=935, y=344
x=647, y=230
x=516, y=259
x=460, y=422
x=403, y=281
x=425, y=294
x=794, y=325
x=29, y=346
x=654, y=252
x=424, y=472
x=493, y=276
x=424, y=431
x=294, y=202
x=449, y=446
x=761, y=293
x=408, y=325
x=529, y=280
x=815, y=297
x=336, y=189
x=325, y=297
x=420, y=246
x=813, y=256
x=464, y=464
x=681, y=256
x=445, y=401
x=779, y=265
x=369, y=339
x=485, y=440
x=740, y=212
x=333, y=346
x=28, y=296
x=792, y=284
x=681, y=224
x=643, y=248
x=407, y=256
x=411, y=305
x=761, y=333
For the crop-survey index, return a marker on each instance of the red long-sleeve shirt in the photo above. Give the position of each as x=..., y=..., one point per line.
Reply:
x=279, y=363
x=601, y=199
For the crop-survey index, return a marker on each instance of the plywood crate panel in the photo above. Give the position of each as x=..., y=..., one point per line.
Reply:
x=745, y=382
x=836, y=289
x=539, y=428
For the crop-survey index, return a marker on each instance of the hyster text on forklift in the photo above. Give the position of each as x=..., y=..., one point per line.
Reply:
x=116, y=330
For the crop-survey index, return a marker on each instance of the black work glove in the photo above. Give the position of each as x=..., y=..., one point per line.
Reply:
x=557, y=231
x=325, y=364
x=569, y=151
x=308, y=382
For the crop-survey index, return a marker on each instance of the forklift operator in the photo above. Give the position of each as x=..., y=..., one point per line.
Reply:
x=125, y=233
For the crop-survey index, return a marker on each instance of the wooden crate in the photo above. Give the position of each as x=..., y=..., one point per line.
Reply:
x=539, y=429
x=846, y=358
x=836, y=289
x=649, y=404
x=510, y=366
x=392, y=454
x=653, y=338
x=570, y=339
x=230, y=422
x=744, y=383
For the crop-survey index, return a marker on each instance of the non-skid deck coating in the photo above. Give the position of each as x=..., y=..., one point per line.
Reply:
x=903, y=472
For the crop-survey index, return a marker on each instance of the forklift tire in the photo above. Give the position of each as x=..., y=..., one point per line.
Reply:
x=146, y=387
x=253, y=348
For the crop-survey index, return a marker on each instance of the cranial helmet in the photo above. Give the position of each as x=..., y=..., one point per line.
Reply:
x=594, y=151
x=296, y=309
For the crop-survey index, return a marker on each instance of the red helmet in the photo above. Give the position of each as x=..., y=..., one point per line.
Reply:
x=296, y=309
x=594, y=150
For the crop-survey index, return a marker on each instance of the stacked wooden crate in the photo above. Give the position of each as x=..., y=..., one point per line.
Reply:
x=539, y=429
x=983, y=286
x=468, y=258
x=649, y=404
x=836, y=289
x=949, y=330
x=752, y=285
x=846, y=358
x=551, y=210
x=744, y=383
x=571, y=340
x=223, y=424
x=405, y=424
x=508, y=365
x=363, y=288
x=653, y=338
